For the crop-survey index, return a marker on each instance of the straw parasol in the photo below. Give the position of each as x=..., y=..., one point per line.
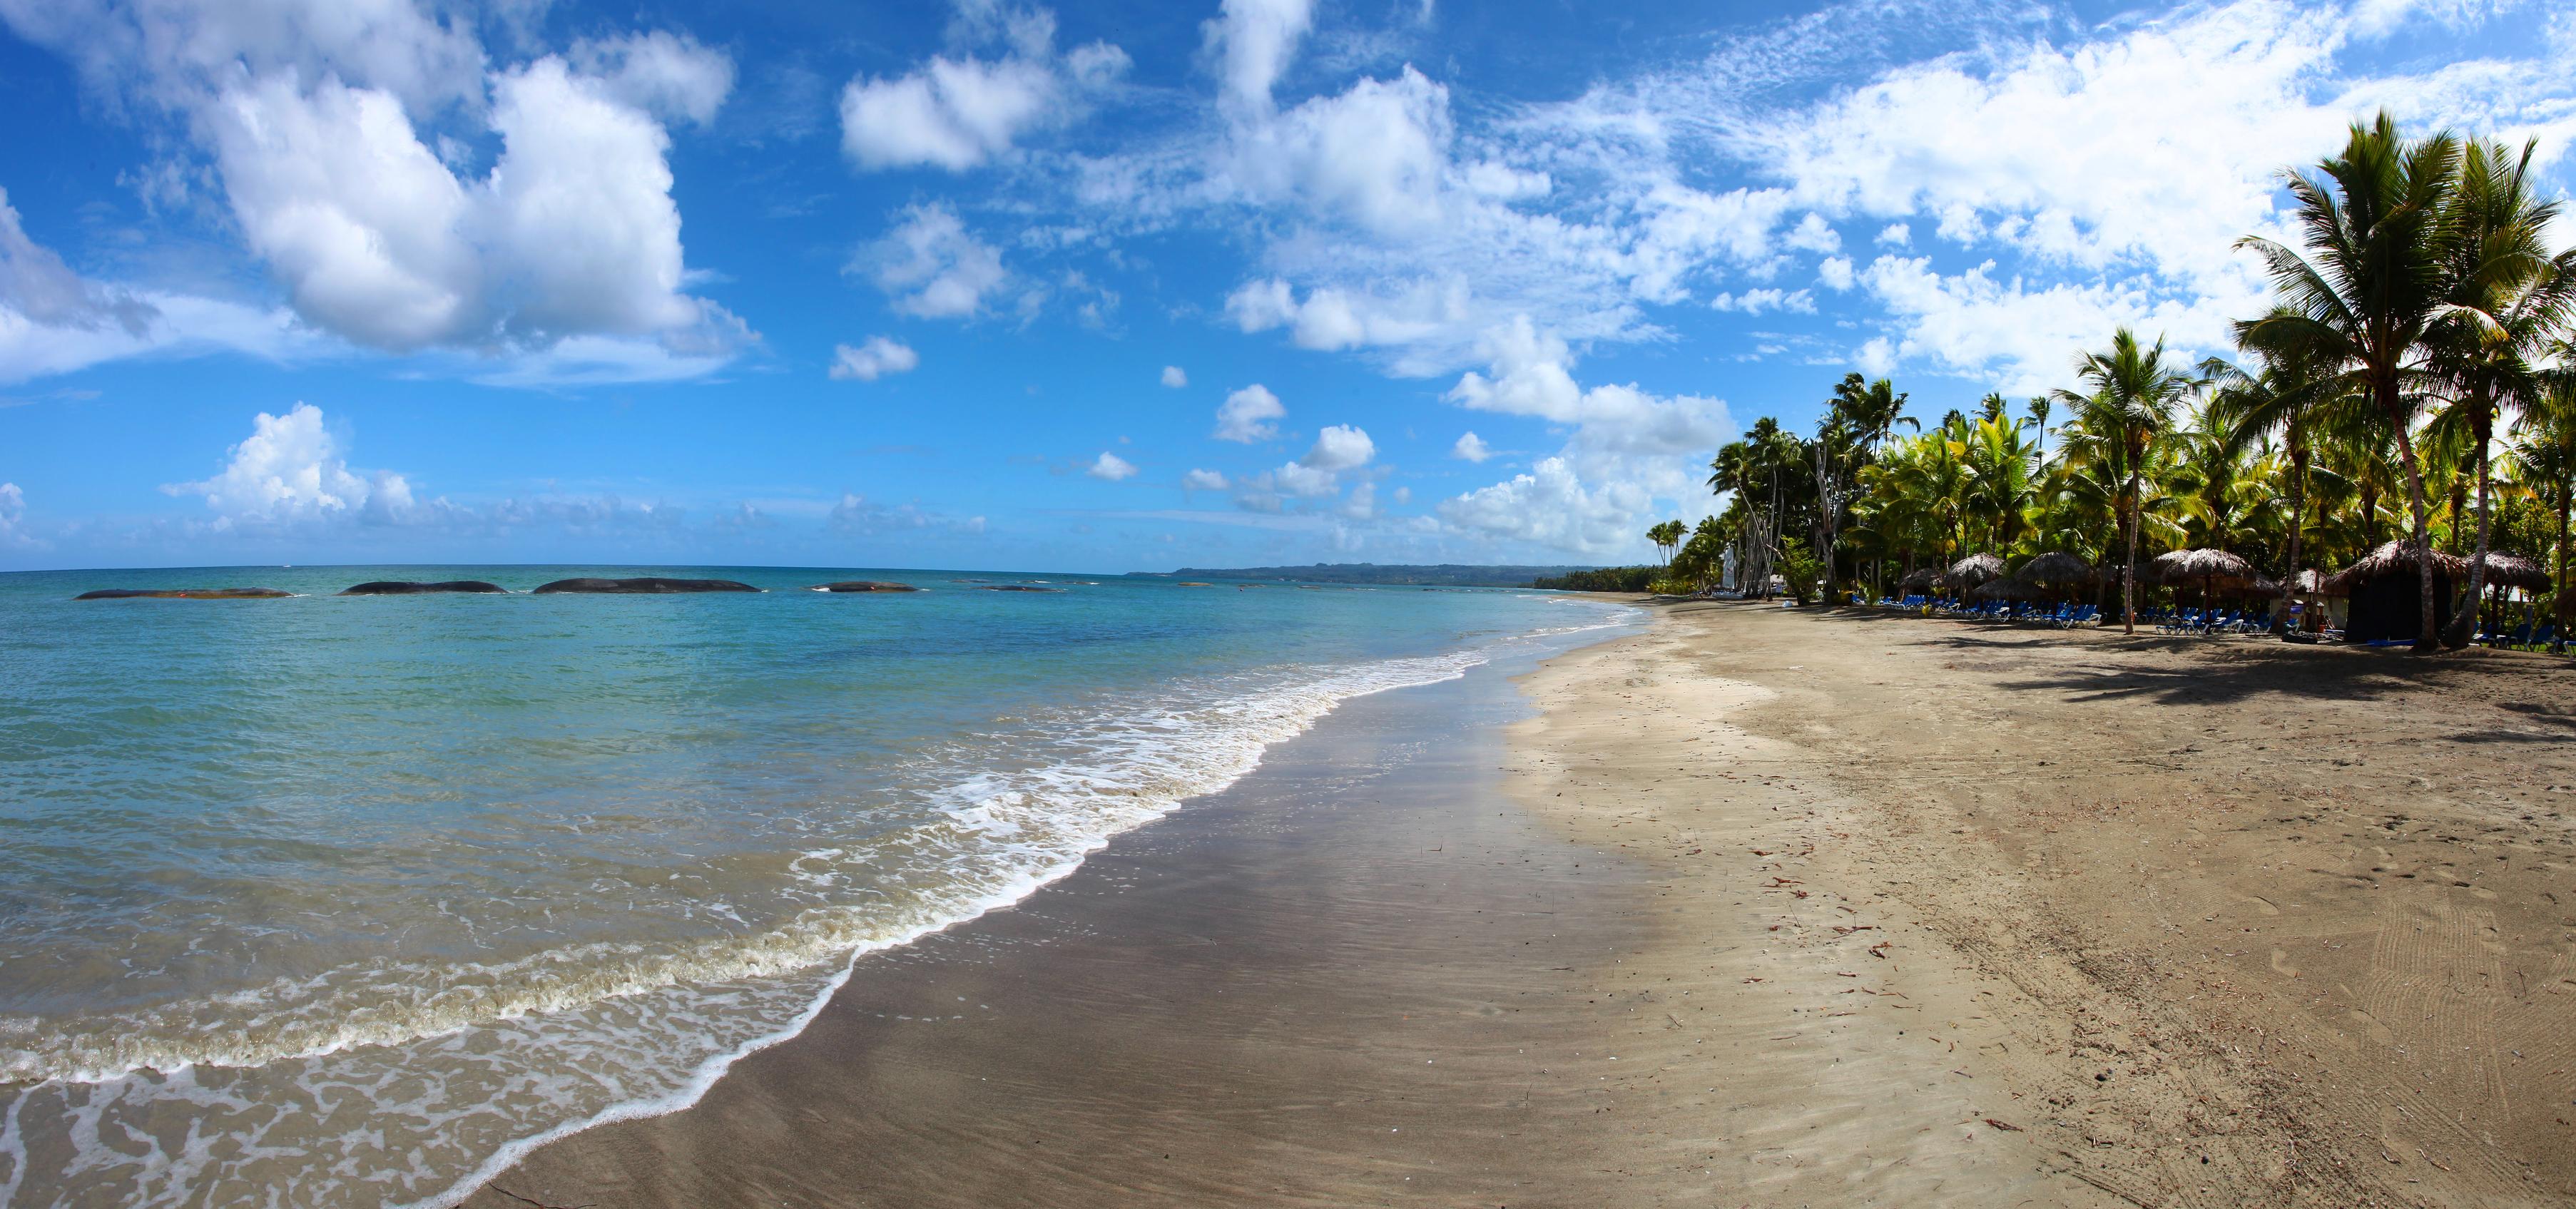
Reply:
x=2055, y=570
x=2386, y=605
x=2205, y=566
x=2056, y=567
x=1976, y=569
x=1920, y=579
x=2514, y=571
x=2001, y=589
x=2395, y=557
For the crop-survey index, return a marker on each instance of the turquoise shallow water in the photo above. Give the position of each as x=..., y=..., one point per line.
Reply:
x=337, y=901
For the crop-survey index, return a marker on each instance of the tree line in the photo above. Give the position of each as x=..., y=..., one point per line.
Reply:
x=2414, y=378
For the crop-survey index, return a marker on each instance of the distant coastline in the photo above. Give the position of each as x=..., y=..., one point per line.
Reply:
x=1440, y=575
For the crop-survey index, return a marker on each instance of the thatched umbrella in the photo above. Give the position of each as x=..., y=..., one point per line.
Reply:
x=2056, y=566
x=2206, y=566
x=2056, y=569
x=1920, y=579
x=2514, y=571
x=2385, y=600
x=2002, y=589
x=2510, y=571
x=2398, y=557
x=1976, y=569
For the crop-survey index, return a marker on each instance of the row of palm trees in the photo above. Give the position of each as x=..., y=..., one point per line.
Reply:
x=2412, y=380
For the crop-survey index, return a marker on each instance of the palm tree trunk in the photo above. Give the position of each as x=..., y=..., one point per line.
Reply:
x=2464, y=627
x=2427, y=638
x=2298, y=508
x=2129, y=571
x=2566, y=503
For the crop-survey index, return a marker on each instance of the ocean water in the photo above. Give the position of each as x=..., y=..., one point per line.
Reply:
x=327, y=901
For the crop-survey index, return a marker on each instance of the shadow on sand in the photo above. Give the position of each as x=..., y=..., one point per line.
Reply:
x=2192, y=669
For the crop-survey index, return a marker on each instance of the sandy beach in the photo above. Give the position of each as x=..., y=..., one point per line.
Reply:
x=1758, y=907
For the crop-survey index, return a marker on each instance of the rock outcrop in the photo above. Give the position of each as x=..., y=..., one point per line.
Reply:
x=863, y=585
x=646, y=585
x=1015, y=588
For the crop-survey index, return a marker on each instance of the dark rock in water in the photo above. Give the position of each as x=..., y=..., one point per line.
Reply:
x=182, y=594
x=413, y=587
x=864, y=585
x=1015, y=588
x=647, y=585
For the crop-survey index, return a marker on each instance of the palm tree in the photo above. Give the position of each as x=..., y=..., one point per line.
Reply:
x=1857, y=420
x=1999, y=468
x=2544, y=457
x=2132, y=401
x=2220, y=489
x=2509, y=294
x=1667, y=538
x=2371, y=287
x=2284, y=397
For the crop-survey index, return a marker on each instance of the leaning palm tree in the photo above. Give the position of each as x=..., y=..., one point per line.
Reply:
x=1667, y=537
x=2133, y=394
x=2509, y=296
x=2371, y=287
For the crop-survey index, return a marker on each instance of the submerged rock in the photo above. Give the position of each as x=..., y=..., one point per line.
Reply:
x=414, y=587
x=645, y=585
x=1015, y=588
x=863, y=585
x=182, y=594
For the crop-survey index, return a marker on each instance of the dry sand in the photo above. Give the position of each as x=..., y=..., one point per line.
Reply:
x=1764, y=907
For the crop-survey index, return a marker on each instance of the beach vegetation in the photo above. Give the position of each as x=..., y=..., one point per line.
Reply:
x=2412, y=378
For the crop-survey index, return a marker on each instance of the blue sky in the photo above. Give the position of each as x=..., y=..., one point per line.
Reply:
x=1098, y=287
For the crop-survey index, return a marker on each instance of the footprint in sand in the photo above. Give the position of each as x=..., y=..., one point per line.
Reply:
x=2281, y=962
x=2378, y=1032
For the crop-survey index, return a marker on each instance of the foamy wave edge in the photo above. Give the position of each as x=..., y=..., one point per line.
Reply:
x=1136, y=784
x=714, y=1067
x=563, y=979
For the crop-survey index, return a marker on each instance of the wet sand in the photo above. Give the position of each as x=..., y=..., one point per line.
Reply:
x=1762, y=907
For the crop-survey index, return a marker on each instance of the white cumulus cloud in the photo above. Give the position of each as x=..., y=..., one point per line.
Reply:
x=1173, y=377
x=312, y=117
x=1629, y=448
x=1471, y=448
x=13, y=515
x=874, y=359
x=1247, y=415
x=1111, y=467
x=1203, y=480
x=1551, y=506
x=1253, y=41
x=1340, y=447
x=932, y=267
x=956, y=113
x=290, y=469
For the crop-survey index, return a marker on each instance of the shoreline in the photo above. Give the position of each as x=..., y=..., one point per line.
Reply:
x=1743, y=906
x=1145, y=951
